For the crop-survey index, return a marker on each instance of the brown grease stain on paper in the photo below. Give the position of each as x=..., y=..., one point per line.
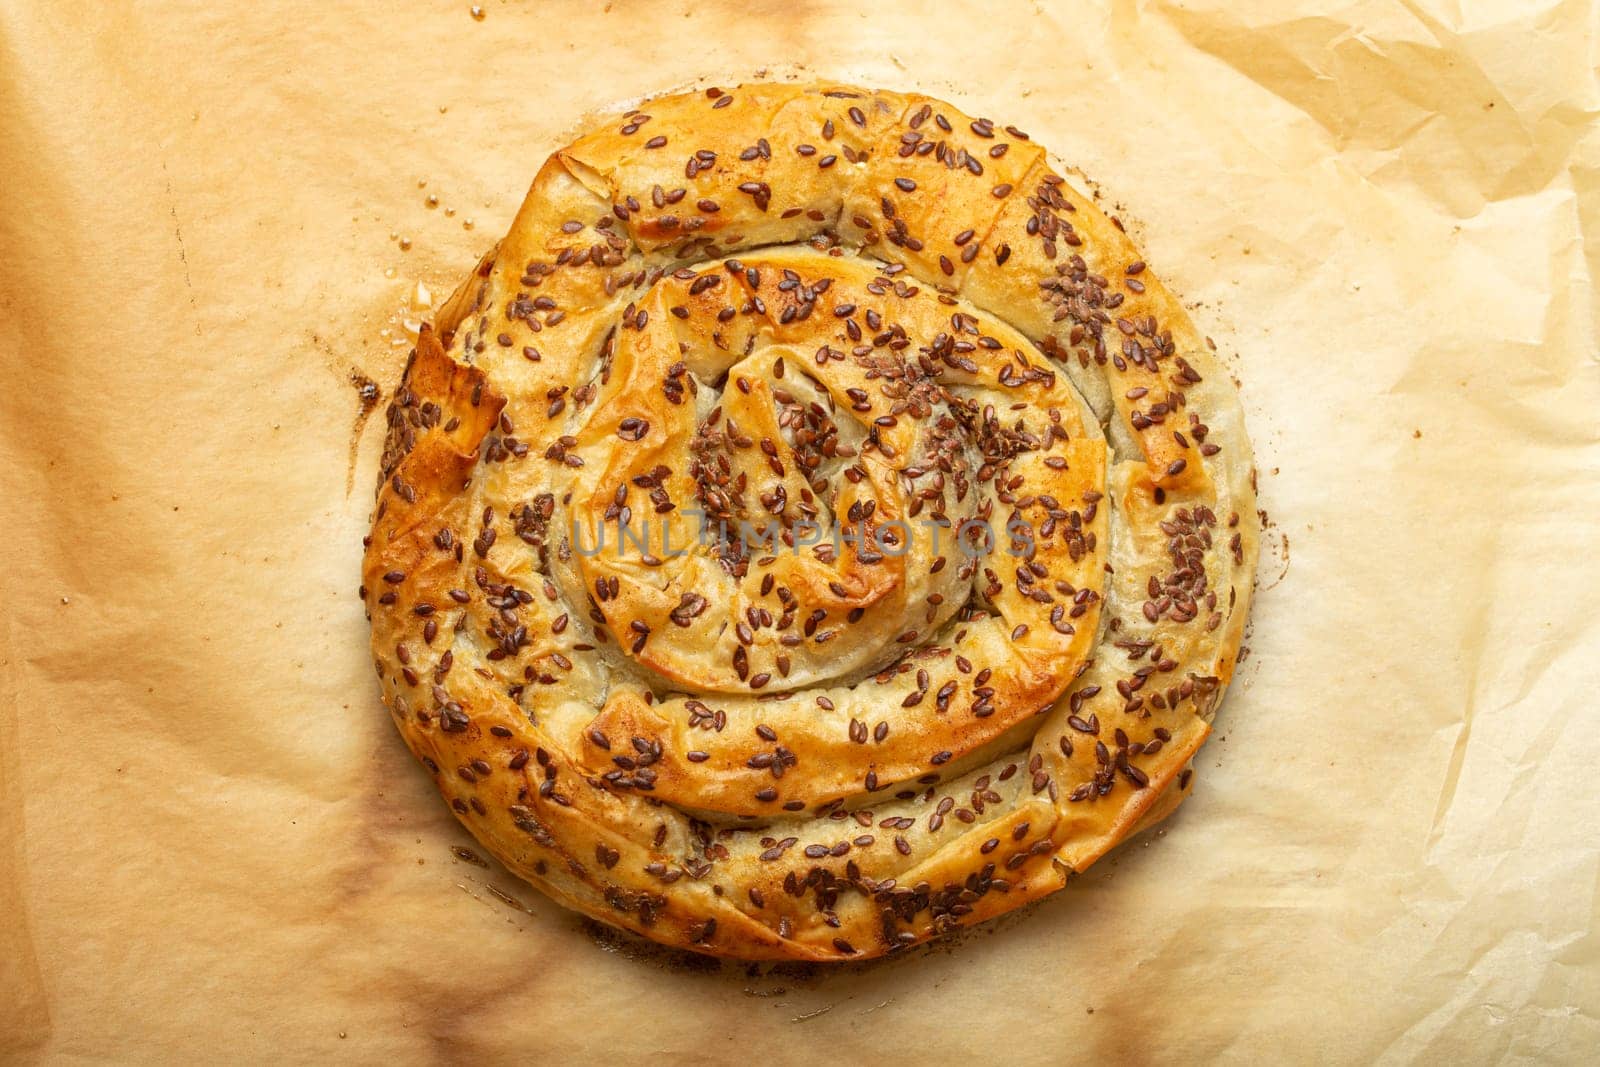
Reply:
x=368, y=394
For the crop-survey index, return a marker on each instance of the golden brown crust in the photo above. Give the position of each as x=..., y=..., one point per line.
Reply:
x=806, y=308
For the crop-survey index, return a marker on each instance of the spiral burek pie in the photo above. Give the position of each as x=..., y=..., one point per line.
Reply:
x=810, y=530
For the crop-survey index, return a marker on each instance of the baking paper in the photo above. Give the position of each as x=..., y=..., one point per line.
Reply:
x=217, y=222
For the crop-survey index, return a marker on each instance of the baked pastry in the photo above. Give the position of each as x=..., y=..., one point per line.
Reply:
x=810, y=530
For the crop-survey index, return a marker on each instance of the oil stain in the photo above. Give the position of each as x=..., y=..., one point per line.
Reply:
x=639, y=950
x=466, y=855
x=368, y=394
x=1274, y=549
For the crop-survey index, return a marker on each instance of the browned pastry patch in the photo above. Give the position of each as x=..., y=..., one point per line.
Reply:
x=811, y=529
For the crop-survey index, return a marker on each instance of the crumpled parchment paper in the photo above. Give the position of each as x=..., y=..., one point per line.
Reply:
x=214, y=224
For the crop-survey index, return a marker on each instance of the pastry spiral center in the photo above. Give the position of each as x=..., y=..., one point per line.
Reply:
x=776, y=461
